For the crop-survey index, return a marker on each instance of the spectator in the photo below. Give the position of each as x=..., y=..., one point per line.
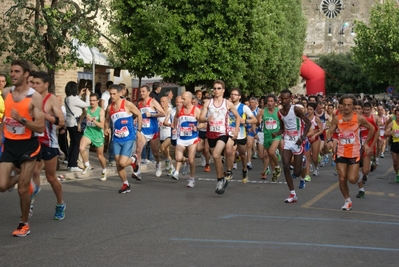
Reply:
x=156, y=89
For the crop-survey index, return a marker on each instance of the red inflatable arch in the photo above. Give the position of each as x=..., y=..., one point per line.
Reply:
x=314, y=76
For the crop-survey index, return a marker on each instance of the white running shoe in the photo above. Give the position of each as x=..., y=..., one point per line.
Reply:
x=316, y=172
x=347, y=206
x=235, y=166
x=158, y=171
x=191, y=183
x=175, y=175
x=137, y=175
x=203, y=161
x=291, y=199
x=103, y=176
x=167, y=165
x=171, y=171
x=86, y=169
x=75, y=169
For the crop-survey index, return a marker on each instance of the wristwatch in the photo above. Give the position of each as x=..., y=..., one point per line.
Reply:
x=23, y=121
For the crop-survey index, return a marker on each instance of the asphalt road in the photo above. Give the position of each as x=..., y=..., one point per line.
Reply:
x=163, y=223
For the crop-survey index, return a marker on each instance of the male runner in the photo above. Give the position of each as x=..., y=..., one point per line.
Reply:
x=348, y=155
x=215, y=113
x=292, y=120
x=23, y=117
x=49, y=141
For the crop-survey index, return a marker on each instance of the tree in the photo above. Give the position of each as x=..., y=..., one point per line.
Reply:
x=42, y=32
x=377, y=44
x=253, y=44
x=344, y=75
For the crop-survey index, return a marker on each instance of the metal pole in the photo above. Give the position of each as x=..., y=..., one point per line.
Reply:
x=93, y=63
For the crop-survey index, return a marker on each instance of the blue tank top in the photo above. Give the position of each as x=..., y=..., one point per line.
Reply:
x=150, y=124
x=123, y=124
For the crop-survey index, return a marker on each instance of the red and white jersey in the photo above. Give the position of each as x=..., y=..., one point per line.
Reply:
x=220, y=119
x=293, y=125
x=49, y=136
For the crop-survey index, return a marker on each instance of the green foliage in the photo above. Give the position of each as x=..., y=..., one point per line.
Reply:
x=377, y=43
x=41, y=31
x=344, y=75
x=254, y=44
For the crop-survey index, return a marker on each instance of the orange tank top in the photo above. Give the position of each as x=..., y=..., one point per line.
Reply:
x=348, y=137
x=13, y=129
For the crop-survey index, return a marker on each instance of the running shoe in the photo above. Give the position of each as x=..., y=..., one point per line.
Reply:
x=249, y=166
x=278, y=155
x=319, y=158
x=307, y=178
x=302, y=184
x=112, y=163
x=171, y=171
x=291, y=199
x=175, y=175
x=158, y=171
x=255, y=156
x=30, y=211
x=316, y=172
x=184, y=168
x=223, y=160
x=333, y=164
x=60, y=211
x=23, y=229
x=228, y=175
x=311, y=167
x=238, y=158
x=203, y=161
x=275, y=176
x=167, y=165
x=347, y=206
x=268, y=171
x=377, y=161
x=278, y=171
x=321, y=164
x=361, y=194
x=191, y=183
x=207, y=168
x=263, y=176
x=33, y=191
x=221, y=186
x=382, y=155
x=125, y=189
x=86, y=169
x=293, y=175
x=326, y=159
x=137, y=175
x=134, y=164
x=103, y=176
x=235, y=166
x=245, y=177
x=74, y=169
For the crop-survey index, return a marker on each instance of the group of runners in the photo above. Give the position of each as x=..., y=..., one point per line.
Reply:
x=304, y=134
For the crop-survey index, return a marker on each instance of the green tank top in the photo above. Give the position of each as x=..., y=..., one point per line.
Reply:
x=271, y=122
x=93, y=130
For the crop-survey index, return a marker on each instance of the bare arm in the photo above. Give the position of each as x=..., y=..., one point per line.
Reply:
x=233, y=110
x=56, y=109
x=157, y=107
x=107, y=121
x=136, y=112
x=36, y=111
x=299, y=113
x=203, y=113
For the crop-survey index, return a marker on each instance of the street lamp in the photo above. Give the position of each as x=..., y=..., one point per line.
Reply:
x=344, y=26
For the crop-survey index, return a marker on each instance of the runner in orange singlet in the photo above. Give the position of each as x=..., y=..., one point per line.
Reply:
x=348, y=154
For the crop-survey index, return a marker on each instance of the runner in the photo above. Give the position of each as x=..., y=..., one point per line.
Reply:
x=324, y=118
x=23, y=117
x=348, y=155
x=150, y=110
x=252, y=131
x=93, y=134
x=186, y=127
x=165, y=133
x=315, y=141
x=381, y=122
x=393, y=130
x=215, y=113
x=292, y=120
x=268, y=117
x=121, y=112
x=49, y=141
x=203, y=145
x=246, y=118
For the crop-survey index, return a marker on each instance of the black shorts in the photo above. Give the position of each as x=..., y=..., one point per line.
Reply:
x=241, y=142
x=49, y=153
x=349, y=161
x=173, y=142
x=18, y=151
x=212, y=142
x=202, y=135
x=395, y=147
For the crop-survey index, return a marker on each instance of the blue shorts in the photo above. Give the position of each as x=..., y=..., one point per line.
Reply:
x=123, y=148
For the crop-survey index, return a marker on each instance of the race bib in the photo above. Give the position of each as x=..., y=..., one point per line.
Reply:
x=291, y=136
x=271, y=124
x=121, y=133
x=382, y=132
x=13, y=126
x=346, y=138
x=186, y=131
x=216, y=126
x=146, y=123
x=396, y=133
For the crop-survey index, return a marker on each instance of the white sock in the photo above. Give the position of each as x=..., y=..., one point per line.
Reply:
x=104, y=170
x=293, y=192
x=348, y=199
x=126, y=182
x=133, y=159
x=87, y=164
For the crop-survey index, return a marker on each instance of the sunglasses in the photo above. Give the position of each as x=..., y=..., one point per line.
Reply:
x=217, y=88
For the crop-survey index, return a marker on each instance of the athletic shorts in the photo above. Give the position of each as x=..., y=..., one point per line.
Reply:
x=307, y=145
x=395, y=147
x=322, y=136
x=202, y=135
x=187, y=143
x=295, y=149
x=348, y=161
x=48, y=153
x=212, y=142
x=268, y=140
x=18, y=151
x=149, y=137
x=251, y=134
x=241, y=142
x=123, y=148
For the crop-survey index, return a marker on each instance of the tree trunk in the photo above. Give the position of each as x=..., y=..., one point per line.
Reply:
x=190, y=87
x=51, y=73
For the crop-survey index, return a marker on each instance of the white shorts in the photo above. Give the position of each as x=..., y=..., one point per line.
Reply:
x=295, y=149
x=187, y=143
x=149, y=137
